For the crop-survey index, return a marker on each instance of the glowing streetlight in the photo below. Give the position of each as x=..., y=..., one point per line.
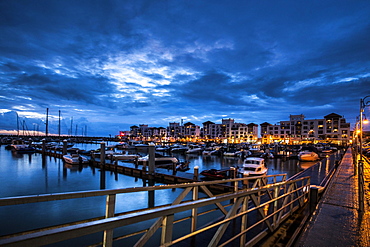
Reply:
x=363, y=103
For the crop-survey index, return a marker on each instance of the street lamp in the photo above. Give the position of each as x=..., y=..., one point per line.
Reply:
x=363, y=103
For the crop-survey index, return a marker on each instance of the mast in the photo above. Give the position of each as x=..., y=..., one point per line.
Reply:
x=17, y=123
x=47, y=122
x=71, y=126
x=59, y=126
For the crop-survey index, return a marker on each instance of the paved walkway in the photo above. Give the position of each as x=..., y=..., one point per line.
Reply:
x=337, y=221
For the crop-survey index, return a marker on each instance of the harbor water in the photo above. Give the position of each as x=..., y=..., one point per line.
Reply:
x=35, y=174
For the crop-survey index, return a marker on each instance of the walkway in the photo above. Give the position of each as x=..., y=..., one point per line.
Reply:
x=337, y=221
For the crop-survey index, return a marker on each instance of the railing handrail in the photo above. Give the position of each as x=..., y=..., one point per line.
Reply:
x=50, y=236
x=8, y=201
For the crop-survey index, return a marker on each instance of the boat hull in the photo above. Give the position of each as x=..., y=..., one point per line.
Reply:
x=75, y=160
x=308, y=156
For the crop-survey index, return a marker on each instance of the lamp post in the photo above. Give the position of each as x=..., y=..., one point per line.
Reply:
x=363, y=103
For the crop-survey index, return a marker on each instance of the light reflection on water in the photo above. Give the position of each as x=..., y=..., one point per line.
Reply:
x=31, y=174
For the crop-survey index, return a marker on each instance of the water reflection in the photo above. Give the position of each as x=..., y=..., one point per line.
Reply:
x=30, y=174
x=275, y=166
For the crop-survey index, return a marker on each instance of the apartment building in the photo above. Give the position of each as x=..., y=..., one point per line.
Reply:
x=230, y=131
x=332, y=128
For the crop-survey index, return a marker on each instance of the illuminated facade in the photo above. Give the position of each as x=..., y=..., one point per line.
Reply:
x=332, y=128
x=230, y=131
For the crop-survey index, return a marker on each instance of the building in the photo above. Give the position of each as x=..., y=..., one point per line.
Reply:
x=332, y=128
x=230, y=131
x=213, y=131
x=186, y=132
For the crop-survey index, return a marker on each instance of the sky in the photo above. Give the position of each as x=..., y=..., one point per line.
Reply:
x=106, y=65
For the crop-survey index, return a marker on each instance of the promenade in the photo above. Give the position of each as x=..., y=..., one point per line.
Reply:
x=337, y=221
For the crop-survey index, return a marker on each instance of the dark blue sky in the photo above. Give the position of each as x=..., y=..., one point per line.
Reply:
x=112, y=64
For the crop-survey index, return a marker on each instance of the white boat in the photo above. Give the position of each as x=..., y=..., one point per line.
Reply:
x=75, y=159
x=255, y=148
x=162, y=148
x=179, y=148
x=308, y=156
x=160, y=159
x=233, y=153
x=211, y=151
x=253, y=166
x=123, y=156
x=195, y=150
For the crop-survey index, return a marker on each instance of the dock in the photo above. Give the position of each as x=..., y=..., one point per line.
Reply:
x=338, y=220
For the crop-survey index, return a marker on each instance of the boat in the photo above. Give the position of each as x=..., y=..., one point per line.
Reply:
x=159, y=159
x=233, y=153
x=195, y=150
x=308, y=156
x=20, y=147
x=268, y=155
x=253, y=166
x=178, y=148
x=255, y=149
x=75, y=159
x=162, y=148
x=122, y=156
x=216, y=174
x=182, y=166
x=211, y=151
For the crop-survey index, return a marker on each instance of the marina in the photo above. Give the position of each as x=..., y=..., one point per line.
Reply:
x=38, y=174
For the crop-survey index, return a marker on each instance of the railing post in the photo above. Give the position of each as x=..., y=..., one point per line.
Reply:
x=244, y=223
x=167, y=227
x=236, y=183
x=110, y=205
x=276, y=195
x=194, y=211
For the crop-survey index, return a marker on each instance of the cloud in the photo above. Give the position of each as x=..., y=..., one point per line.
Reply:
x=121, y=63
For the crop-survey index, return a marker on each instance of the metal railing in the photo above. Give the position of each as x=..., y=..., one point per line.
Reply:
x=264, y=204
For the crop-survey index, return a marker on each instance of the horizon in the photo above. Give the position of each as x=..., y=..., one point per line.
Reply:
x=80, y=132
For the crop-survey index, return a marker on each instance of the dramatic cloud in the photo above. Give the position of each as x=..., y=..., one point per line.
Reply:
x=109, y=64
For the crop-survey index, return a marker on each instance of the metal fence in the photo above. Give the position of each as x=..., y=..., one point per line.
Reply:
x=255, y=207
